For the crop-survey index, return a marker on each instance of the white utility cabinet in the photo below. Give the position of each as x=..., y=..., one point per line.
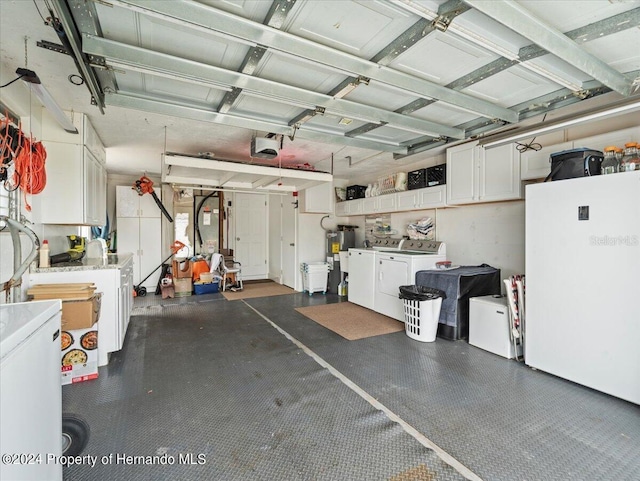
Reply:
x=476, y=174
x=139, y=232
x=317, y=199
x=76, y=189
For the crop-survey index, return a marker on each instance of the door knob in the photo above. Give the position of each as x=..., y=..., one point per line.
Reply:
x=292, y=244
x=237, y=238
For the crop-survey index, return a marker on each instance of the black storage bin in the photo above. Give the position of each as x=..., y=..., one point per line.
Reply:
x=356, y=192
x=437, y=175
x=417, y=179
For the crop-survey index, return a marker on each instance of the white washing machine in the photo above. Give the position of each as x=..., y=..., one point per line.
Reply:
x=395, y=268
x=362, y=270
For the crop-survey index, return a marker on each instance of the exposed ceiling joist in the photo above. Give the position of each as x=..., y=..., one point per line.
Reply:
x=275, y=18
x=156, y=63
x=212, y=20
x=521, y=20
x=191, y=112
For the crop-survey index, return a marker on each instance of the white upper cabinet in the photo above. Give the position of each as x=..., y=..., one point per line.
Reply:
x=76, y=190
x=478, y=175
x=427, y=198
x=499, y=174
x=317, y=199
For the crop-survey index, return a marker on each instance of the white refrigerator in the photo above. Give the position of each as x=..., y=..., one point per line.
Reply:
x=583, y=281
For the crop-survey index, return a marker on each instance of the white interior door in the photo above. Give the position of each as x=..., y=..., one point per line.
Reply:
x=251, y=234
x=289, y=247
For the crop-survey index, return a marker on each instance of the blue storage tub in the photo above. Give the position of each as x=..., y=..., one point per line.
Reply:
x=209, y=288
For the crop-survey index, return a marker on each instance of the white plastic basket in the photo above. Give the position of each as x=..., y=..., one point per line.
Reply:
x=421, y=319
x=314, y=277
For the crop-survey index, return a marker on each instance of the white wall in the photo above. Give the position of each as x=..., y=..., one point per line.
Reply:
x=487, y=233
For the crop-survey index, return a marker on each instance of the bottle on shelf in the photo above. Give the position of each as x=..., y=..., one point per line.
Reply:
x=610, y=162
x=44, y=254
x=630, y=159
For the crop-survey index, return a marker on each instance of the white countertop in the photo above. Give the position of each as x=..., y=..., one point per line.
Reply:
x=114, y=261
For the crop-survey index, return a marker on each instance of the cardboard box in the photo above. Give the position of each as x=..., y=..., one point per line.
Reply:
x=81, y=314
x=80, y=303
x=183, y=286
x=79, y=358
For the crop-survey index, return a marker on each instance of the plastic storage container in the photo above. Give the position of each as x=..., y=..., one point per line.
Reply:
x=421, y=311
x=315, y=276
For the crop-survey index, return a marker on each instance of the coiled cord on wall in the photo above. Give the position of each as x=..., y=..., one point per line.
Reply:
x=30, y=173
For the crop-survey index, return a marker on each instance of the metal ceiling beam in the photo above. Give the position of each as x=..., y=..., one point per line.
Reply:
x=73, y=37
x=557, y=99
x=200, y=113
x=448, y=11
x=212, y=20
x=522, y=21
x=275, y=18
x=155, y=63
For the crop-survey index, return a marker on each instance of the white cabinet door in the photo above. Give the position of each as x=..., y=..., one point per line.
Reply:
x=356, y=207
x=534, y=164
x=462, y=173
x=148, y=206
x=407, y=200
x=369, y=205
x=318, y=199
x=499, y=174
x=150, y=251
x=128, y=239
x=432, y=197
x=62, y=200
x=387, y=203
x=342, y=208
x=127, y=202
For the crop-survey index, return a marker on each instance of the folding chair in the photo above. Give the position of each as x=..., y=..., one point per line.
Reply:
x=231, y=270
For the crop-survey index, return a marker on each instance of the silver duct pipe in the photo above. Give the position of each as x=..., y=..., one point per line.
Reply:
x=15, y=228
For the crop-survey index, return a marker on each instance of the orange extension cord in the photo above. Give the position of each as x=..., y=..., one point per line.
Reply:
x=29, y=169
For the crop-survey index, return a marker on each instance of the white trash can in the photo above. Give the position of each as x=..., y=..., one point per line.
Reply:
x=421, y=311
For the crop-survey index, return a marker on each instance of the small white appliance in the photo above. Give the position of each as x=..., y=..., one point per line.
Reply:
x=489, y=325
x=398, y=267
x=582, y=264
x=30, y=391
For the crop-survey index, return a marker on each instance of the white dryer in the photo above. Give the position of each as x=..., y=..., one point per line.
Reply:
x=395, y=268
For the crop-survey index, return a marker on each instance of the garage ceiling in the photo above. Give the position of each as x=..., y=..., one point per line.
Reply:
x=372, y=84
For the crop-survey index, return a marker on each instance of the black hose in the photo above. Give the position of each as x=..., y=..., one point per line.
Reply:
x=196, y=222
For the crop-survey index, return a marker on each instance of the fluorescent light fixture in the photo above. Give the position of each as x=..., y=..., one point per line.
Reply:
x=32, y=81
x=617, y=108
x=351, y=86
